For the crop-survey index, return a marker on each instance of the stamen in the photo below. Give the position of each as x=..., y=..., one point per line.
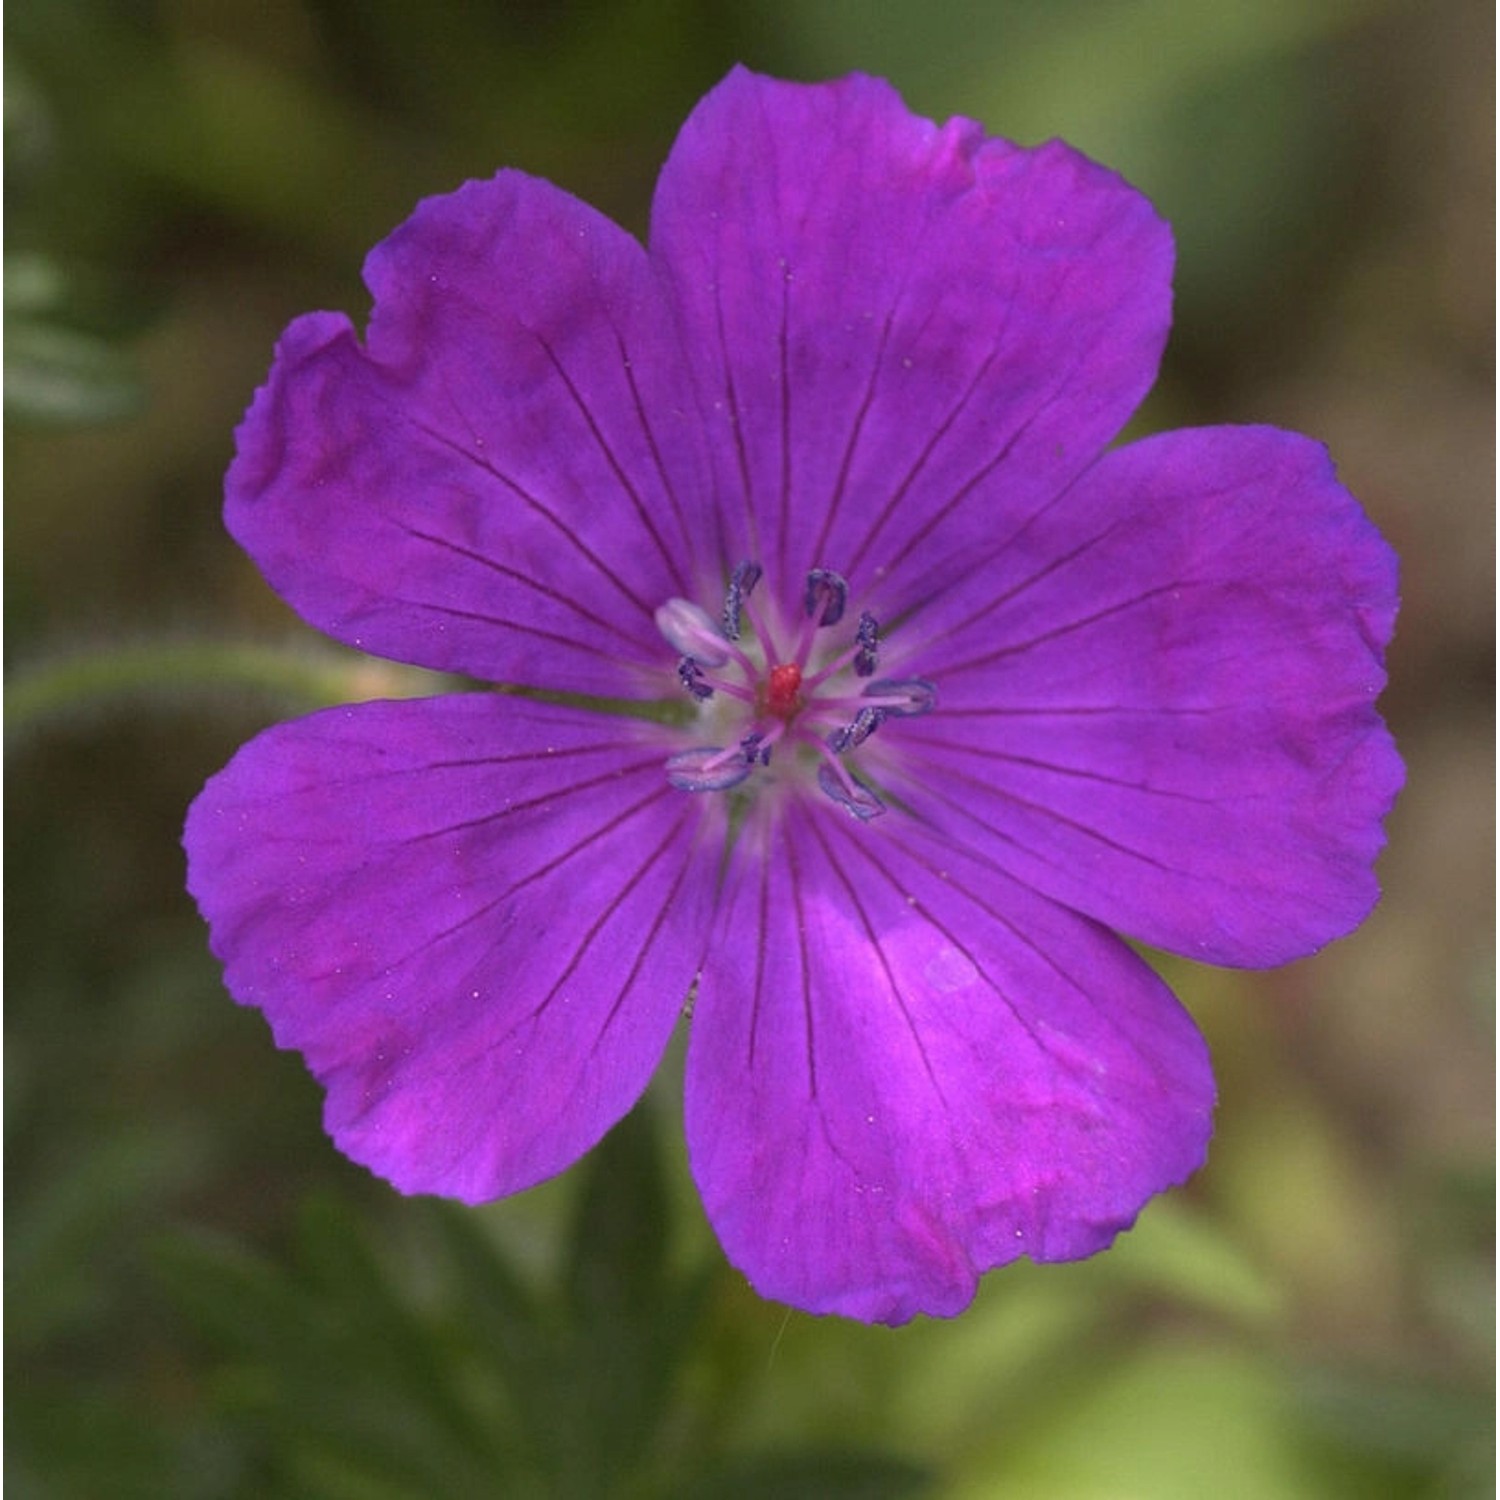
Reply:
x=905, y=697
x=826, y=595
x=849, y=793
x=854, y=734
x=756, y=748
x=707, y=768
x=690, y=630
x=793, y=694
x=741, y=585
x=866, y=640
x=691, y=676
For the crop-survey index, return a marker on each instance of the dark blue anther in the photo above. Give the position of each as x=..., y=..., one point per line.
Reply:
x=690, y=674
x=866, y=640
x=753, y=750
x=705, y=768
x=856, y=796
x=906, y=697
x=866, y=722
x=854, y=734
x=827, y=594
x=741, y=585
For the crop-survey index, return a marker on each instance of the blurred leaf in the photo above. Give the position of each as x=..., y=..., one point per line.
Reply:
x=1453, y=1246
x=409, y=1356
x=223, y=124
x=149, y=103
x=65, y=1226
x=1428, y=1428
x=519, y=1335
x=236, y=1299
x=331, y=1369
x=1077, y=66
x=62, y=367
x=63, y=1443
x=34, y=284
x=1192, y=1259
x=811, y=1475
x=1174, y=1422
x=630, y=1318
x=353, y=1376
x=1099, y=61
x=60, y=375
x=617, y=1260
x=72, y=1306
x=29, y=127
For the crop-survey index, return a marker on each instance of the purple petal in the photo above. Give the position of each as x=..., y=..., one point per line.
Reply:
x=905, y=1068
x=891, y=323
x=500, y=481
x=476, y=918
x=1160, y=708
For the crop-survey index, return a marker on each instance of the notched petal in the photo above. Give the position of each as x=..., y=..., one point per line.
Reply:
x=497, y=481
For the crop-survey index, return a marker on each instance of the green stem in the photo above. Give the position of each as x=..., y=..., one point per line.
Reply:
x=295, y=678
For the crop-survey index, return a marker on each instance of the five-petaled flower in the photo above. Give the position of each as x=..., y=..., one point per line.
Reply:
x=932, y=695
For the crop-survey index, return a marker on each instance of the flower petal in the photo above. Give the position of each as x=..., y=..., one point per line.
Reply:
x=1161, y=709
x=905, y=1068
x=891, y=323
x=476, y=918
x=498, y=482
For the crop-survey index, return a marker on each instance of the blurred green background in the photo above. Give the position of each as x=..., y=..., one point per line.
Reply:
x=204, y=1300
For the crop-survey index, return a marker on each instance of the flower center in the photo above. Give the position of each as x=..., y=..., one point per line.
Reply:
x=761, y=686
x=784, y=691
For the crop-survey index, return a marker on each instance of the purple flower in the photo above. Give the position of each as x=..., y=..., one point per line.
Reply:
x=858, y=687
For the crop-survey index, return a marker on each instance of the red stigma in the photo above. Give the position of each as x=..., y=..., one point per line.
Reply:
x=784, y=691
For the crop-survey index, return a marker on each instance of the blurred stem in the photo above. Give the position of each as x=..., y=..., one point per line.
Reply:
x=295, y=678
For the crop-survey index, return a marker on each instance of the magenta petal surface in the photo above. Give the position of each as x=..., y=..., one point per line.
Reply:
x=906, y=1068
x=496, y=482
x=1160, y=708
x=476, y=918
x=897, y=328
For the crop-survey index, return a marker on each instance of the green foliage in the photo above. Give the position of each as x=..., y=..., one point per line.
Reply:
x=56, y=372
x=814, y=1475
x=359, y=1368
